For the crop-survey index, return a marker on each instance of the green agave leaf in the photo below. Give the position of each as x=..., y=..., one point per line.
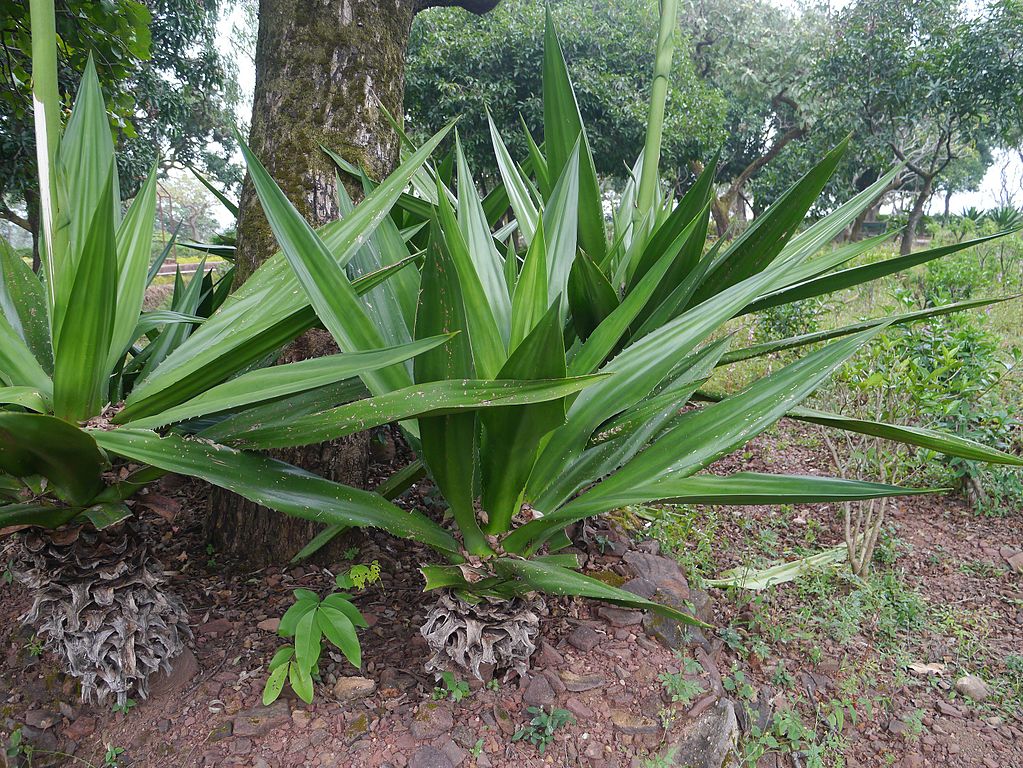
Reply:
x=553, y=579
x=18, y=366
x=560, y=219
x=26, y=397
x=328, y=289
x=757, y=580
x=23, y=303
x=432, y=399
x=530, y=297
x=739, y=488
x=80, y=353
x=278, y=381
x=805, y=339
x=33, y=444
x=186, y=300
x=134, y=243
x=231, y=206
x=106, y=514
x=270, y=309
x=511, y=436
x=274, y=484
x=516, y=185
x=563, y=131
x=39, y=515
x=847, y=278
x=932, y=440
x=590, y=296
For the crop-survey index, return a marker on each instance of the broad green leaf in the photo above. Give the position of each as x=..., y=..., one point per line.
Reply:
x=134, y=244
x=326, y=286
x=805, y=339
x=847, y=278
x=274, y=484
x=41, y=515
x=526, y=214
x=106, y=514
x=530, y=298
x=489, y=266
x=590, y=296
x=294, y=614
x=307, y=640
x=301, y=682
x=269, y=310
x=338, y=628
x=274, y=684
x=33, y=444
x=563, y=131
x=740, y=488
x=448, y=442
x=511, y=436
x=26, y=397
x=278, y=381
x=80, y=371
x=554, y=580
x=485, y=339
x=18, y=366
x=932, y=440
x=429, y=400
x=23, y=303
x=340, y=603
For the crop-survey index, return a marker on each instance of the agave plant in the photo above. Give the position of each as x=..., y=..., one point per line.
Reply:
x=632, y=323
x=84, y=374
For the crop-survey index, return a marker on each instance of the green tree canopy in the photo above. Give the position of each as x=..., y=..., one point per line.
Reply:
x=458, y=63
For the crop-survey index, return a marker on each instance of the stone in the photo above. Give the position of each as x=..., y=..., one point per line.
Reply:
x=641, y=587
x=584, y=638
x=184, y=668
x=504, y=720
x=669, y=632
x=241, y=746
x=972, y=687
x=222, y=731
x=261, y=720
x=1015, y=562
x=949, y=710
x=349, y=689
x=549, y=656
x=216, y=627
x=577, y=683
x=432, y=720
x=82, y=727
x=454, y=753
x=539, y=692
x=662, y=571
x=429, y=757
x=709, y=741
x=269, y=625
x=578, y=708
x=620, y=617
x=632, y=724
x=41, y=719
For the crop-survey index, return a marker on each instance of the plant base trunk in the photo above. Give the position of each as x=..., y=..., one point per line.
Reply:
x=99, y=601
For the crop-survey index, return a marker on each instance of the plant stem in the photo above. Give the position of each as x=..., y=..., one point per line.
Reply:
x=649, y=177
x=46, y=107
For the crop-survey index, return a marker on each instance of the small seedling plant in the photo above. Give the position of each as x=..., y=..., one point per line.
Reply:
x=309, y=620
x=110, y=757
x=540, y=730
x=681, y=690
x=456, y=689
x=124, y=708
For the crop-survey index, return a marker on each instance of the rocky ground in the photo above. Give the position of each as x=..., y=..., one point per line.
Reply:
x=823, y=671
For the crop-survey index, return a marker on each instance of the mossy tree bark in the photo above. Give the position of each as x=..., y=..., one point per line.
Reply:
x=324, y=70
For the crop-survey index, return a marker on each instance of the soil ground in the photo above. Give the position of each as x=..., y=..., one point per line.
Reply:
x=827, y=670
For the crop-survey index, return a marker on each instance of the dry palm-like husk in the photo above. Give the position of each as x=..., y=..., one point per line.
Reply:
x=500, y=634
x=98, y=600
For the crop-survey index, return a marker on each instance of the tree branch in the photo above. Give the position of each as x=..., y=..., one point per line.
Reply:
x=479, y=7
x=11, y=216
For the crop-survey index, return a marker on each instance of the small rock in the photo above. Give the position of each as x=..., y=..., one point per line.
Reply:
x=662, y=571
x=432, y=720
x=216, y=627
x=972, y=687
x=454, y=753
x=1016, y=562
x=241, y=746
x=578, y=708
x=504, y=720
x=429, y=757
x=549, y=656
x=633, y=724
x=41, y=719
x=261, y=720
x=222, y=731
x=641, y=587
x=947, y=709
x=269, y=625
x=578, y=683
x=349, y=689
x=539, y=692
x=620, y=617
x=183, y=669
x=584, y=638
x=709, y=741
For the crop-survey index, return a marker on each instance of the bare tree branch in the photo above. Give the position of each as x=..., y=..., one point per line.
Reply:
x=479, y=7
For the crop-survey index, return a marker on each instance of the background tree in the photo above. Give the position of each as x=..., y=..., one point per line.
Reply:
x=169, y=90
x=455, y=66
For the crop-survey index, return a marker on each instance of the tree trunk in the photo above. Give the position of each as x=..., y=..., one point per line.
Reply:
x=915, y=215
x=323, y=70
